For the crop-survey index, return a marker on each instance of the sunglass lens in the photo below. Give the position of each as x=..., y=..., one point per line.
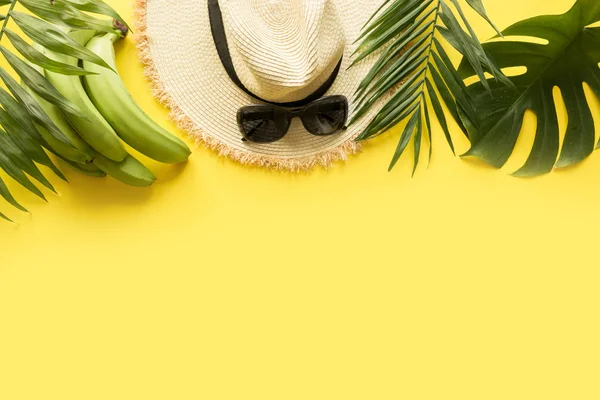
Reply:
x=327, y=116
x=263, y=124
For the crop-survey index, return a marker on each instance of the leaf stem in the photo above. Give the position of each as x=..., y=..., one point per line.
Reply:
x=12, y=6
x=430, y=46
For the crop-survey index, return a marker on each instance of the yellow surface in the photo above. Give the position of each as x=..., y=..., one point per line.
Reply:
x=226, y=282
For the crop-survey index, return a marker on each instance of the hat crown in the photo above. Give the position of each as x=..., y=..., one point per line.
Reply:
x=283, y=50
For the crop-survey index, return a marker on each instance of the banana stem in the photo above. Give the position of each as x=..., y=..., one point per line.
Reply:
x=113, y=37
x=118, y=25
x=12, y=6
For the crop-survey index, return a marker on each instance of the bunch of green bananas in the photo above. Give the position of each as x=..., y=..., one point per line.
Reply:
x=109, y=115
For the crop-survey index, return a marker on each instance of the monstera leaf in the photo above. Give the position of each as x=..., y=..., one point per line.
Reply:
x=567, y=61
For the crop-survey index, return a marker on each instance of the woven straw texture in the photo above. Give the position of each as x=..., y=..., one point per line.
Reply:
x=175, y=43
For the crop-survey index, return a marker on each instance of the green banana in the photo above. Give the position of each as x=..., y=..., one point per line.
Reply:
x=129, y=171
x=111, y=97
x=87, y=169
x=79, y=151
x=94, y=129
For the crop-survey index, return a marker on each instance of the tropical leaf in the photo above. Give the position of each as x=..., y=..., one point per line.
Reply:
x=478, y=6
x=13, y=160
x=36, y=57
x=19, y=113
x=22, y=147
x=569, y=60
x=25, y=142
x=412, y=67
x=33, y=107
x=5, y=193
x=98, y=7
x=20, y=156
x=53, y=38
x=64, y=14
x=4, y=217
x=39, y=84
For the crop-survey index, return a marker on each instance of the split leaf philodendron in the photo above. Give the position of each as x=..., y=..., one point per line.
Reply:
x=568, y=61
x=52, y=110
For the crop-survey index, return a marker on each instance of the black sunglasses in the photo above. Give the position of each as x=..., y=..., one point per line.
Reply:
x=270, y=123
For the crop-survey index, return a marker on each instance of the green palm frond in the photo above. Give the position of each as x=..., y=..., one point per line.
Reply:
x=413, y=70
x=22, y=148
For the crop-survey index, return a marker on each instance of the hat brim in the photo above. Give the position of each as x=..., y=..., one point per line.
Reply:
x=175, y=43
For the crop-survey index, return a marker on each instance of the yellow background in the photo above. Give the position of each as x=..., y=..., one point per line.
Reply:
x=228, y=282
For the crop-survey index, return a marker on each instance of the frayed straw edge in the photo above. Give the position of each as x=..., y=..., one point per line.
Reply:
x=183, y=122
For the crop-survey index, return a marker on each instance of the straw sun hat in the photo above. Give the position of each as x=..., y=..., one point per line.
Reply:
x=282, y=51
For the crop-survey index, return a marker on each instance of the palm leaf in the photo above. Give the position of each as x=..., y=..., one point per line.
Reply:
x=64, y=14
x=36, y=57
x=13, y=161
x=5, y=193
x=39, y=84
x=569, y=60
x=22, y=148
x=478, y=6
x=98, y=7
x=407, y=35
x=26, y=143
x=53, y=38
x=33, y=107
